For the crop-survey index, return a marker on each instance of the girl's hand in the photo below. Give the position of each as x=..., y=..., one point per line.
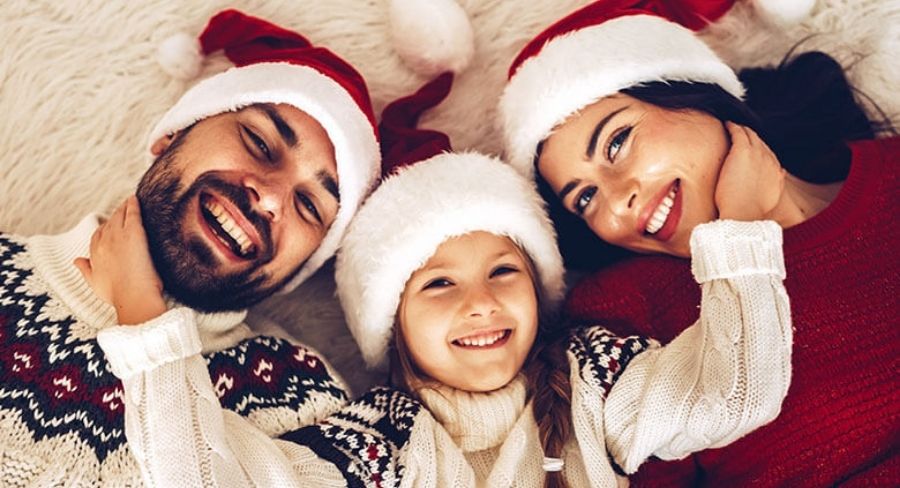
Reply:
x=120, y=270
x=751, y=180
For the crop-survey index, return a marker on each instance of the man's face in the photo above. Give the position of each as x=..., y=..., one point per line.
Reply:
x=234, y=205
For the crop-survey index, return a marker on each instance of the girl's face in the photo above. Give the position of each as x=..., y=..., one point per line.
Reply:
x=470, y=314
x=642, y=177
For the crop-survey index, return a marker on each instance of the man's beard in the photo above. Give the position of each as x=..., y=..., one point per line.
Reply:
x=187, y=266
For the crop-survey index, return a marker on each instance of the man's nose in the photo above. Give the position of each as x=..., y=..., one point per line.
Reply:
x=268, y=194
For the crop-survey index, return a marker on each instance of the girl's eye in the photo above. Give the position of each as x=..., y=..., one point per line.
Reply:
x=616, y=143
x=437, y=283
x=310, y=207
x=584, y=199
x=259, y=143
x=503, y=270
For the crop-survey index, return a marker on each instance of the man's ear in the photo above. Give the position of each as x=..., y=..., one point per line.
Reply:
x=161, y=144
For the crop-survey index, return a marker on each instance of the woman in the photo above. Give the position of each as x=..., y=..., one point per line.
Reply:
x=625, y=119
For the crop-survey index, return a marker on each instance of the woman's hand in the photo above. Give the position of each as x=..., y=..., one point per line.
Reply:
x=751, y=181
x=120, y=270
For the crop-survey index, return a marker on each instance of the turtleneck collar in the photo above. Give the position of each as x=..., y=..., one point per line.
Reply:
x=477, y=421
x=52, y=257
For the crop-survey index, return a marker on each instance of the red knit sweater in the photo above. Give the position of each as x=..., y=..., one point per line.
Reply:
x=840, y=422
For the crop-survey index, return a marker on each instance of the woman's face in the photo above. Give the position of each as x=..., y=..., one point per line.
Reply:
x=642, y=177
x=470, y=314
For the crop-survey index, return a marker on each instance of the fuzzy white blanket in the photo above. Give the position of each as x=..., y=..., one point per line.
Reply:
x=80, y=89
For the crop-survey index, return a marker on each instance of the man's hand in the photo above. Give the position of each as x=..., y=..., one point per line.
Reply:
x=120, y=270
x=751, y=181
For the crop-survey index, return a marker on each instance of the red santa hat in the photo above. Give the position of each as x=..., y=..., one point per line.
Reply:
x=430, y=196
x=607, y=46
x=275, y=65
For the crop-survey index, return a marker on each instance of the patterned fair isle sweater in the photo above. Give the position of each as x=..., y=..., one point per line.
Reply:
x=62, y=419
x=722, y=378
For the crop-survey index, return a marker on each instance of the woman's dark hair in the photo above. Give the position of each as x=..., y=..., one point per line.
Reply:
x=804, y=109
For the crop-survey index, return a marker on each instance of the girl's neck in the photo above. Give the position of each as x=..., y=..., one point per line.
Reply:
x=802, y=200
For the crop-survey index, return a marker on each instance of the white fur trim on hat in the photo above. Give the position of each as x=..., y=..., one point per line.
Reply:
x=352, y=135
x=783, y=12
x=433, y=36
x=405, y=220
x=576, y=69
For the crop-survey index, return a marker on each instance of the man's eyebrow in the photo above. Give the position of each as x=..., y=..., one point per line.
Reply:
x=592, y=143
x=329, y=183
x=568, y=189
x=290, y=138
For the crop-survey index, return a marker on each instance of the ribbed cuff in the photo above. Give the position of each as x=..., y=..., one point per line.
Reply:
x=135, y=349
x=727, y=248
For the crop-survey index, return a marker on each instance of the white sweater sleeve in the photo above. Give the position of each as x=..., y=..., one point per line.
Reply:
x=175, y=425
x=728, y=373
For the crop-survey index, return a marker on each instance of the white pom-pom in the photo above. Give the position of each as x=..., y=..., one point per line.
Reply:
x=180, y=56
x=432, y=36
x=784, y=12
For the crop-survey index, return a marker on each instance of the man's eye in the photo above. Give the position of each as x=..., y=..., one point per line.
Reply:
x=616, y=143
x=308, y=204
x=437, y=283
x=584, y=199
x=259, y=143
x=503, y=270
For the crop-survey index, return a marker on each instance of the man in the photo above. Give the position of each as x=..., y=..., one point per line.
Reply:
x=257, y=172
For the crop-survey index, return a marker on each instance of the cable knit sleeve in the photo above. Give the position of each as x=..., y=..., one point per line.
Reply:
x=724, y=376
x=175, y=422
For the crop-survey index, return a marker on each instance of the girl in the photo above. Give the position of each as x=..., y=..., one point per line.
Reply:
x=449, y=268
x=628, y=122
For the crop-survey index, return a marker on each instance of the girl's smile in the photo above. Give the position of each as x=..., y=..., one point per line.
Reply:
x=469, y=315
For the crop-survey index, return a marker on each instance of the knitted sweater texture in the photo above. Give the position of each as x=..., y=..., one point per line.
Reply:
x=840, y=423
x=62, y=419
x=722, y=378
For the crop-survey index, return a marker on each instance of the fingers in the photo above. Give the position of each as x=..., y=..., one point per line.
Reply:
x=132, y=211
x=84, y=266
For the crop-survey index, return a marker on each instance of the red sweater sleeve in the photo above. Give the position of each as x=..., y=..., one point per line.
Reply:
x=654, y=296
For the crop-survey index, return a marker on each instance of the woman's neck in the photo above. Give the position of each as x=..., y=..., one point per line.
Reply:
x=802, y=200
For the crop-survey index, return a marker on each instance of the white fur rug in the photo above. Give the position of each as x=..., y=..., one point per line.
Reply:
x=80, y=89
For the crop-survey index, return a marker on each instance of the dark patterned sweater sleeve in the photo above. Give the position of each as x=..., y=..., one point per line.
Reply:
x=364, y=440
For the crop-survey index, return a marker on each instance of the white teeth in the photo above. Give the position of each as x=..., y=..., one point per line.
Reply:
x=229, y=225
x=482, y=340
x=658, y=219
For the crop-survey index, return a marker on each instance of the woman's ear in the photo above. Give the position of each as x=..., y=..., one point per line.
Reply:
x=161, y=144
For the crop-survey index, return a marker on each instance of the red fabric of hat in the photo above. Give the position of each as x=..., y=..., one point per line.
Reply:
x=249, y=40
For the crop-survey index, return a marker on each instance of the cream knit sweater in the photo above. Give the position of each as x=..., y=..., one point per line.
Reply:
x=723, y=377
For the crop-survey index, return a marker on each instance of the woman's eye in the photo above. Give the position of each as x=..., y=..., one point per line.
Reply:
x=437, y=283
x=503, y=270
x=616, y=143
x=308, y=204
x=584, y=199
x=259, y=143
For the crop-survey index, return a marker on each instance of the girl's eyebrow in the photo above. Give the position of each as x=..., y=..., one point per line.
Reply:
x=592, y=143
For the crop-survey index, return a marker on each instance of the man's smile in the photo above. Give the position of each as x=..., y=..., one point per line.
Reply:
x=227, y=229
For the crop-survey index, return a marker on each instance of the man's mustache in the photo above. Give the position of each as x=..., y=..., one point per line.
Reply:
x=239, y=198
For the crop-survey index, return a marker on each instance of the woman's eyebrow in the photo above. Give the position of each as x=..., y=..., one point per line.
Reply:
x=568, y=188
x=592, y=143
